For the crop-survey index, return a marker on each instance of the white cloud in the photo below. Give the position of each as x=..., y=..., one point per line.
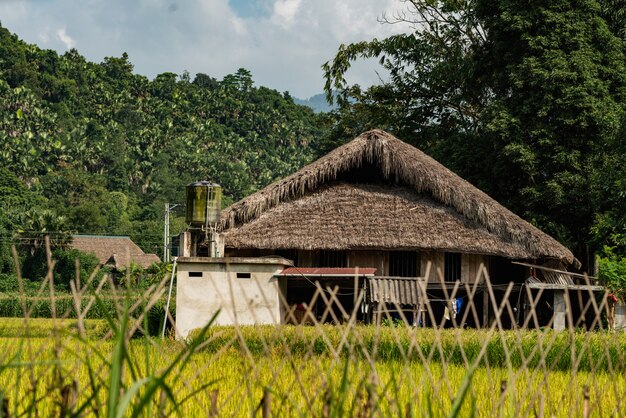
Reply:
x=44, y=37
x=285, y=10
x=239, y=25
x=65, y=38
x=284, y=50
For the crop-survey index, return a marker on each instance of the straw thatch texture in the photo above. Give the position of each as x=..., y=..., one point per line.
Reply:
x=348, y=216
x=472, y=221
x=115, y=251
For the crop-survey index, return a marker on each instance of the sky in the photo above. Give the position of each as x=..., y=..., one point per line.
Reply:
x=282, y=42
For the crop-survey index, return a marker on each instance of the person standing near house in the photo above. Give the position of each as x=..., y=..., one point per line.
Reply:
x=611, y=301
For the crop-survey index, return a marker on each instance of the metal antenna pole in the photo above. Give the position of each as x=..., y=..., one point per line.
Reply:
x=167, y=250
x=169, y=296
x=165, y=224
x=167, y=236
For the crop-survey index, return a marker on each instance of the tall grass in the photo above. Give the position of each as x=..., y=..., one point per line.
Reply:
x=153, y=382
x=411, y=344
x=112, y=367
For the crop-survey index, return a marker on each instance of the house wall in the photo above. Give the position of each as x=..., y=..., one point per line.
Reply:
x=620, y=317
x=307, y=258
x=376, y=259
x=437, y=265
x=471, y=265
x=239, y=300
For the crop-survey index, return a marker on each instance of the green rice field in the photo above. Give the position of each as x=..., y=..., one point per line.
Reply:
x=47, y=370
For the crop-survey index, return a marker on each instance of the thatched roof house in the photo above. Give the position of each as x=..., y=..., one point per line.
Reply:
x=379, y=193
x=114, y=251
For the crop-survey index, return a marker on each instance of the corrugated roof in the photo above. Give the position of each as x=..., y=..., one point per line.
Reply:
x=401, y=291
x=328, y=271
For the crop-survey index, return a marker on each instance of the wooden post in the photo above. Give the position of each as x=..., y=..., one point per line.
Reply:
x=326, y=406
x=5, y=408
x=586, y=401
x=523, y=307
x=503, y=385
x=213, y=410
x=162, y=401
x=485, y=307
x=267, y=403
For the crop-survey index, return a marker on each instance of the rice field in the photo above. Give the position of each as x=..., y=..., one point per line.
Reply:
x=48, y=369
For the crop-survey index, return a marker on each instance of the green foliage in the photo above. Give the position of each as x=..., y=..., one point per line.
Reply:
x=535, y=91
x=70, y=263
x=402, y=343
x=10, y=284
x=43, y=328
x=612, y=272
x=40, y=306
x=106, y=148
x=557, y=110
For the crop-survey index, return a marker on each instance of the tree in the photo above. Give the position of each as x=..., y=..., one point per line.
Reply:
x=106, y=148
x=558, y=80
x=534, y=91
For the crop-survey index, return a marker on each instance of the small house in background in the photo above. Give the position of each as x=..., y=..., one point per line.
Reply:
x=114, y=251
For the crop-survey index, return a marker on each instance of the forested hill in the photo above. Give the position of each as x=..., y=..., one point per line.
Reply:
x=103, y=148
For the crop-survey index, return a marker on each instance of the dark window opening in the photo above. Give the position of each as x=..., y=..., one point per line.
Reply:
x=195, y=274
x=289, y=255
x=404, y=264
x=367, y=173
x=244, y=275
x=452, y=267
x=332, y=259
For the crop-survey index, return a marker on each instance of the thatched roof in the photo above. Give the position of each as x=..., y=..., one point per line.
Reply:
x=115, y=251
x=419, y=205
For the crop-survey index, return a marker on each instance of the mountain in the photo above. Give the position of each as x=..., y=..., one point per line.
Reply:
x=318, y=103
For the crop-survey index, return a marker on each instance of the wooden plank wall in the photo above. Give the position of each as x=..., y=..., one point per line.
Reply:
x=437, y=260
x=470, y=266
x=377, y=259
x=307, y=258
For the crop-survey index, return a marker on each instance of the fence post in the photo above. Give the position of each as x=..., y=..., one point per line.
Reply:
x=485, y=307
x=213, y=410
x=5, y=408
x=267, y=403
x=503, y=386
x=586, y=401
x=326, y=406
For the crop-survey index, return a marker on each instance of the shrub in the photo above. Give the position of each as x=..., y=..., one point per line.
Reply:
x=41, y=307
x=612, y=272
x=9, y=284
x=65, y=268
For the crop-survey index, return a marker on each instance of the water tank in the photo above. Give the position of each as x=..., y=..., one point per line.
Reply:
x=203, y=200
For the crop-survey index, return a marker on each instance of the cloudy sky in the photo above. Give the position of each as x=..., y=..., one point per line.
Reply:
x=283, y=42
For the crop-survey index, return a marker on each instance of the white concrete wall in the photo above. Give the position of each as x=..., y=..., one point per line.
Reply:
x=243, y=301
x=620, y=317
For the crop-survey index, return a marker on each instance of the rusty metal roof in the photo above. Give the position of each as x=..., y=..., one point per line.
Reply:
x=328, y=271
x=399, y=290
